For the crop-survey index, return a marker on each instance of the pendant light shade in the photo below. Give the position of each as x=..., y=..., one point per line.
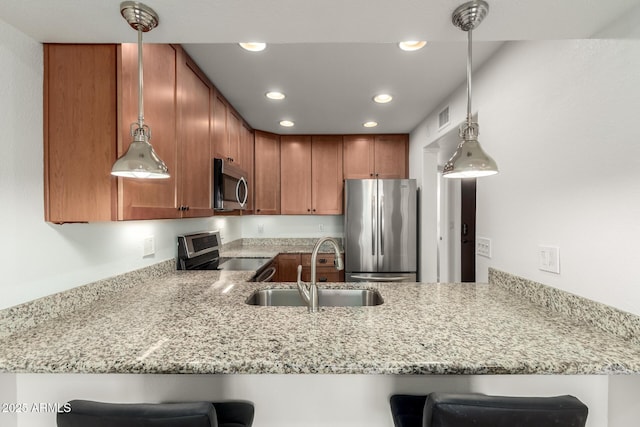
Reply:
x=469, y=160
x=140, y=160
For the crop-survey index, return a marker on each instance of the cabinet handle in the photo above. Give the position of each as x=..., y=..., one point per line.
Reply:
x=370, y=174
x=314, y=210
x=308, y=210
x=257, y=210
x=322, y=261
x=186, y=208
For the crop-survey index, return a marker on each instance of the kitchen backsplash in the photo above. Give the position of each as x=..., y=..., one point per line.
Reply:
x=609, y=319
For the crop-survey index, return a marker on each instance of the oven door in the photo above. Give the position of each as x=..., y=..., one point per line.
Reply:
x=230, y=186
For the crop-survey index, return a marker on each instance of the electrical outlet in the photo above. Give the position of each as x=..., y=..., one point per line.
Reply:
x=549, y=259
x=321, y=228
x=483, y=247
x=260, y=228
x=148, y=246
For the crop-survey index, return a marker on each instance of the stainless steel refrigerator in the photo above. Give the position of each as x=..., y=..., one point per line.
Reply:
x=380, y=229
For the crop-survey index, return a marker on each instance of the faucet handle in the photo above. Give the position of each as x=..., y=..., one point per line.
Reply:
x=299, y=273
x=337, y=262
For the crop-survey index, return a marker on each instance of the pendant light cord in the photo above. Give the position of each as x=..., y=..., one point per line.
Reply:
x=140, y=81
x=469, y=52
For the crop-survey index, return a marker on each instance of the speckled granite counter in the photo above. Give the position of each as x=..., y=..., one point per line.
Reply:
x=198, y=322
x=257, y=248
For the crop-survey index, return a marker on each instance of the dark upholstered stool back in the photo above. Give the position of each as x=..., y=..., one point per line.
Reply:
x=85, y=413
x=479, y=410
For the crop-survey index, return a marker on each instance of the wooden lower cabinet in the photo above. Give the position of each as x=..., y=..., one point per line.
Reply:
x=325, y=270
x=287, y=267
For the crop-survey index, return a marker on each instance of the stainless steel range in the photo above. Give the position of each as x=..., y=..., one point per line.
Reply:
x=201, y=251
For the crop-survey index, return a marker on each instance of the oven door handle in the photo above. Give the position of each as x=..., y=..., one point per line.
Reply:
x=266, y=275
x=246, y=191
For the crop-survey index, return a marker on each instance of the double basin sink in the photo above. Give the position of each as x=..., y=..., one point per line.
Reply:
x=326, y=298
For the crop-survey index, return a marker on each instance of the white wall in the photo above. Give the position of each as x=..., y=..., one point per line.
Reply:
x=37, y=258
x=261, y=226
x=558, y=117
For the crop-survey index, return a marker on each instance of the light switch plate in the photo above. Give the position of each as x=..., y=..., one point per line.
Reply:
x=549, y=259
x=483, y=247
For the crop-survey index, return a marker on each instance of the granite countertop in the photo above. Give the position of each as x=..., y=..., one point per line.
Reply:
x=198, y=322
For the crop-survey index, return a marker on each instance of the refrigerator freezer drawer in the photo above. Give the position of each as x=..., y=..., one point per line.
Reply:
x=380, y=277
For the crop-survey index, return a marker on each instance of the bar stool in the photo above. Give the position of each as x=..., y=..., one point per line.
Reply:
x=480, y=410
x=85, y=413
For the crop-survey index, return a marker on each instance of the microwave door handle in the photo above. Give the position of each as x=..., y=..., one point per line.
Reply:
x=244, y=183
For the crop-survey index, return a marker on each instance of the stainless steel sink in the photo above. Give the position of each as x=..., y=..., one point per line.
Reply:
x=326, y=298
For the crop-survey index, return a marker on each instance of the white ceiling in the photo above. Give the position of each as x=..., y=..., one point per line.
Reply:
x=330, y=57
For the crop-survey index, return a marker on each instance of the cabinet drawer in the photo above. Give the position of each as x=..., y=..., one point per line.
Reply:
x=322, y=260
x=323, y=275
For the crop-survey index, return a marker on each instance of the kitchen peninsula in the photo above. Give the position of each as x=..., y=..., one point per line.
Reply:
x=161, y=321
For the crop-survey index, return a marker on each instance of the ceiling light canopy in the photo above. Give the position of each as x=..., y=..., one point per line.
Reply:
x=370, y=124
x=382, y=98
x=253, y=46
x=140, y=160
x=412, y=45
x=469, y=160
x=275, y=95
x=286, y=123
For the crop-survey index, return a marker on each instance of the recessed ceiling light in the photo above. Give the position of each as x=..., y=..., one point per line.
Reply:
x=382, y=98
x=253, y=46
x=286, y=123
x=370, y=124
x=412, y=45
x=275, y=95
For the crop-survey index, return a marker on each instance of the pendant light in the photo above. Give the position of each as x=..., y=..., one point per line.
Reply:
x=469, y=160
x=140, y=160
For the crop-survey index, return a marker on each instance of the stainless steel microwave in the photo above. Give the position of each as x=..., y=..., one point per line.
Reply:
x=230, y=186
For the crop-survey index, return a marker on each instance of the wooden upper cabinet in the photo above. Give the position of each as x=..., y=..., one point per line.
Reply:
x=194, y=139
x=311, y=176
x=90, y=101
x=80, y=132
x=246, y=155
x=149, y=198
x=358, y=156
x=295, y=175
x=326, y=175
x=220, y=138
x=234, y=124
x=376, y=156
x=267, y=174
x=391, y=156
x=227, y=129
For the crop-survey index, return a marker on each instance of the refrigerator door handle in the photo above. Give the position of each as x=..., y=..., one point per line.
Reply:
x=382, y=225
x=374, y=222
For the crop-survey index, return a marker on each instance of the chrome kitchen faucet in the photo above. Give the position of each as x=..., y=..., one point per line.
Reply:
x=309, y=292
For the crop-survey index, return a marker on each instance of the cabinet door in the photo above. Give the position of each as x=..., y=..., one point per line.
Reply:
x=267, y=173
x=194, y=139
x=358, y=156
x=233, y=130
x=288, y=267
x=80, y=132
x=391, y=156
x=220, y=134
x=247, y=162
x=153, y=198
x=326, y=175
x=295, y=177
